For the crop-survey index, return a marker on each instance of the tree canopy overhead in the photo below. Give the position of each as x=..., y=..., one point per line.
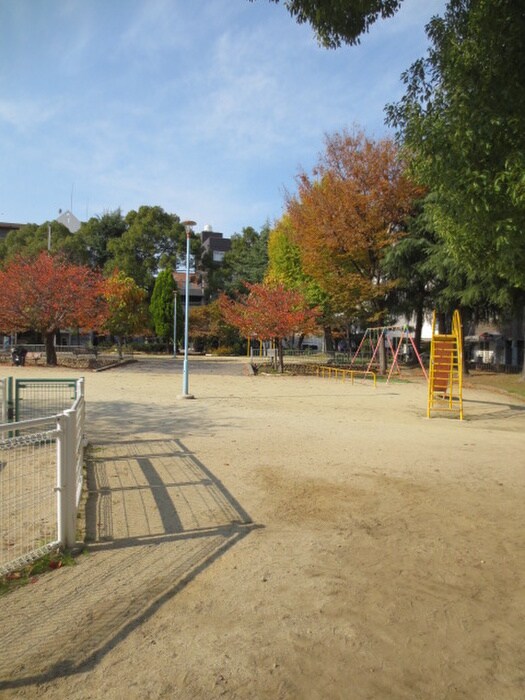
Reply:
x=337, y=22
x=462, y=123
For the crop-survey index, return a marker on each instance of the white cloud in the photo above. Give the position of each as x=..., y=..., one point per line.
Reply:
x=206, y=108
x=26, y=114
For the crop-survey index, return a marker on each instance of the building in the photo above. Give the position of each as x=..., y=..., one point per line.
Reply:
x=497, y=345
x=214, y=244
x=6, y=227
x=195, y=287
x=69, y=220
x=214, y=248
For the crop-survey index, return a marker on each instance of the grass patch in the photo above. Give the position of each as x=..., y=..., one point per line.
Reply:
x=31, y=573
x=497, y=381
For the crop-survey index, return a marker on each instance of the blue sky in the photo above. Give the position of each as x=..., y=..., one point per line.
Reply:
x=207, y=108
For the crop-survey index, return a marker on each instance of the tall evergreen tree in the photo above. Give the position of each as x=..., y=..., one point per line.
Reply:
x=162, y=307
x=247, y=261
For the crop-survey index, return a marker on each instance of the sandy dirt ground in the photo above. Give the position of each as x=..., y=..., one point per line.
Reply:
x=282, y=538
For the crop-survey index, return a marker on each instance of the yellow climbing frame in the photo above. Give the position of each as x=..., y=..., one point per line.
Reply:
x=445, y=379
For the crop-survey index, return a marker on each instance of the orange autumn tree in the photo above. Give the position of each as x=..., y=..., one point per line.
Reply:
x=47, y=294
x=346, y=215
x=270, y=312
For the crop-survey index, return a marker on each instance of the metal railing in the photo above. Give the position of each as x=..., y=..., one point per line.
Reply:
x=35, y=398
x=41, y=475
x=344, y=374
x=3, y=401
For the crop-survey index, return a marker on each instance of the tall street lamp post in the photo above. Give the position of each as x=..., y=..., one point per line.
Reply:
x=185, y=395
x=174, y=324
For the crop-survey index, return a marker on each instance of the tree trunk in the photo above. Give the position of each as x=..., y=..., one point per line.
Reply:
x=51, y=354
x=465, y=323
x=328, y=339
x=280, y=354
x=441, y=322
x=522, y=378
x=419, y=327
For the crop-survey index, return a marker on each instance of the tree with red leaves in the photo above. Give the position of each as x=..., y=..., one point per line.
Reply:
x=270, y=312
x=49, y=293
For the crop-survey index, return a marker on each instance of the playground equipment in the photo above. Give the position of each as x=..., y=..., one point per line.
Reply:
x=344, y=374
x=445, y=383
x=395, y=340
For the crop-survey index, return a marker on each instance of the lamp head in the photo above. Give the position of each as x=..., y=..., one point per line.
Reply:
x=188, y=225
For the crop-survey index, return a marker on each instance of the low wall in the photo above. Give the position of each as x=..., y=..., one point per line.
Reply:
x=65, y=360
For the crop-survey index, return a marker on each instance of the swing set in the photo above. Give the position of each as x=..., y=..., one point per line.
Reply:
x=393, y=339
x=445, y=377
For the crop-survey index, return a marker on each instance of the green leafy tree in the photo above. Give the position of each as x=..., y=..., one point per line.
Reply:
x=247, y=260
x=153, y=240
x=427, y=276
x=162, y=307
x=91, y=241
x=462, y=123
x=32, y=239
x=412, y=266
x=340, y=21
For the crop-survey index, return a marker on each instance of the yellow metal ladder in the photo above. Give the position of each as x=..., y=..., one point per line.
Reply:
x=445, y=380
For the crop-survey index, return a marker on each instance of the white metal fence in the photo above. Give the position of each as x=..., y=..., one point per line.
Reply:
x=41, y=473
x=3, y=401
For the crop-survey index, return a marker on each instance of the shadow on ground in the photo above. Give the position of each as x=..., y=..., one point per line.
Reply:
x=123, y=420
x=155, y=517
x=502, y=409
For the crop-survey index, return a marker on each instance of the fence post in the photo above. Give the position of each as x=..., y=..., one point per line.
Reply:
x=80, y=388
x=71, y=478
x=61, y=478
x=3, y=400
x=66, y=479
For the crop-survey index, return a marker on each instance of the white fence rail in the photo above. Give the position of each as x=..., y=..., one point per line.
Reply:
x=3, y=400
x=41, y=473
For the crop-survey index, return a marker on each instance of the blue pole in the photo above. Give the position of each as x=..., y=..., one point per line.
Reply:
x=186, y=316
x=175, y=324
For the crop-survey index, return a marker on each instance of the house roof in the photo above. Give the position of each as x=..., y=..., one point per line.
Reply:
x=69, y=220
x=195, y=286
